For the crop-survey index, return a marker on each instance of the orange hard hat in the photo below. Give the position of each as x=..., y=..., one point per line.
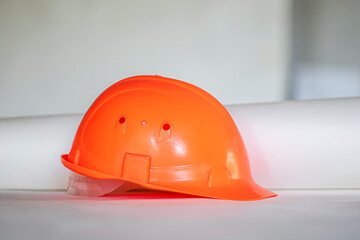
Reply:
x=164, y=134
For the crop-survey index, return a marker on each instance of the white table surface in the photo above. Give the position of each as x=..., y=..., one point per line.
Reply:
x=301, y=214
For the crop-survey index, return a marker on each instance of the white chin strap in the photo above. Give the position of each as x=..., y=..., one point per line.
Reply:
x=81, y=185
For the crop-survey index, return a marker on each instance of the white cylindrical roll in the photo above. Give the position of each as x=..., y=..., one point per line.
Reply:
x=295, y=144
x=302, y=144
x=30, y=151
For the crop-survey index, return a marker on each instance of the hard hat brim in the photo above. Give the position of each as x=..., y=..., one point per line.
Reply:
x=248, y=190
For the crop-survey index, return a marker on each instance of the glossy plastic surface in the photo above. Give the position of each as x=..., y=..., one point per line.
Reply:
x=164, y=134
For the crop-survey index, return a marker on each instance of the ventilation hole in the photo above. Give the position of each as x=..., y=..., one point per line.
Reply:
x=122, y=120
x=166, y=127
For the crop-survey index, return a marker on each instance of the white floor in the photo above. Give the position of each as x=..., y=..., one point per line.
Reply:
x=302, y=214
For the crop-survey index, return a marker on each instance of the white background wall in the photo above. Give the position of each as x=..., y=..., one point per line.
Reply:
x=326, y=49
x=57, y=56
